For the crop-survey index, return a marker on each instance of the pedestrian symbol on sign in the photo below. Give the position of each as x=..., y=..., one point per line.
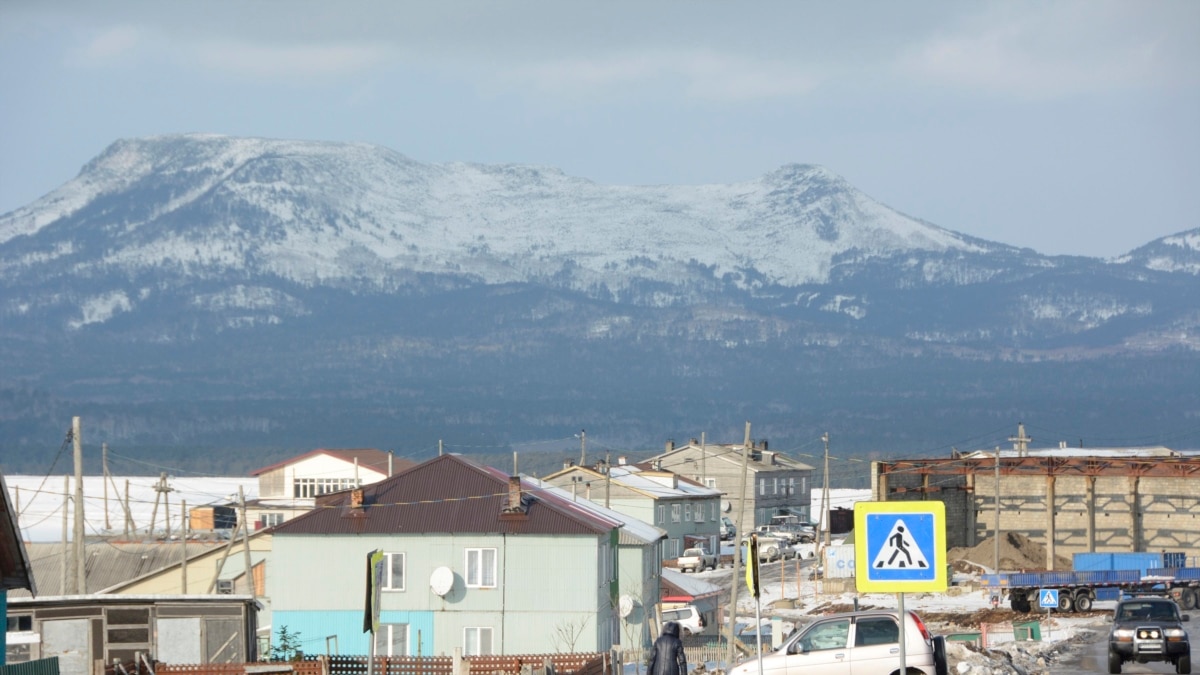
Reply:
x=1048, y=598
x=901, y=551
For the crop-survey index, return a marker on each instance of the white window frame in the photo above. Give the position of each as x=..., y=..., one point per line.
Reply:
x=762, y=487
x=384, y=641
x=389, y=582
x=476, y=566
x=480, y=634
x=676, y=510
x=687, y=513
x=662, y=514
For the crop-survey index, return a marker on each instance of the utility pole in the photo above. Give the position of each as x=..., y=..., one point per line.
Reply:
x=825, y=492
x=582, y=447
x=733, y=590
x=183, y=540
x=246, y=542
x=1020, y=441
x=80, y=578
x=997, y=541
x=67, y=556
x=104, y=482
x=130, y=526
x=607, y=478
x=703, y=461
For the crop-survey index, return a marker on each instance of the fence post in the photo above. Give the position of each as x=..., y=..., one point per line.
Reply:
x=457, y=665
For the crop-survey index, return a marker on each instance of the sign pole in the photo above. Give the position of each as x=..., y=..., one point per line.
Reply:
x=903, y=655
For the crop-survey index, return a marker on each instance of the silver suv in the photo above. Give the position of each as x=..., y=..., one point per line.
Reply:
x=690, y=620
x=858, y=643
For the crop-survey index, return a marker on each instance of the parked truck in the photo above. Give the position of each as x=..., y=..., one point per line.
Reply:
x=696, y=560
x=1077, y=590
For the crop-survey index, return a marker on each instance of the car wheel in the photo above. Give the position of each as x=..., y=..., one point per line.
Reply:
x=1187, y=598
x=940, y=665
x=1114, y=662
x=1083, y=602
x=1183, y=664
x=772, y=553
x=1066, y=603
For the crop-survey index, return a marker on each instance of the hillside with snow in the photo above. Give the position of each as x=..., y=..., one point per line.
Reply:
x=217, y=290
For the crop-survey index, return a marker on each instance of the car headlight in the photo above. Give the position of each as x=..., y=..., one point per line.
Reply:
x=1123, y=635
x=1175, y=633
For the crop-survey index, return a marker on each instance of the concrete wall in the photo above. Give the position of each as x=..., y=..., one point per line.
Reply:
x=1101, y=514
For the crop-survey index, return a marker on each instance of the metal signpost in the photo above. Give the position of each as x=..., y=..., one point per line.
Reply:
x=900, y=547
x=1048, y=599
x=753, y=583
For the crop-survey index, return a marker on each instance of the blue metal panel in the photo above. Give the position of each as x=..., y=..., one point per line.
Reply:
x=1141, y=561
x=1088, y=562
x=1108, y=593
x=316, y=627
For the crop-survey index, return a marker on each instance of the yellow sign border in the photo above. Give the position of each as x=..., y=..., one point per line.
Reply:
x=862, y=564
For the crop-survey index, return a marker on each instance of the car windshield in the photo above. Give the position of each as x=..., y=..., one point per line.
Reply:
x=1148, y=611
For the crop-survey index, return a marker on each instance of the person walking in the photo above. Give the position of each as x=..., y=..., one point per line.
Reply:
x=666, y=655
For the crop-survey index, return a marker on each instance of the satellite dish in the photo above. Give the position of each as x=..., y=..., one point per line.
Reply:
x=726, y=506
x=625, y=606
x=441, y=581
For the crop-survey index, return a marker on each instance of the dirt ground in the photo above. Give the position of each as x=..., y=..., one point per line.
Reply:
x=1017, y=553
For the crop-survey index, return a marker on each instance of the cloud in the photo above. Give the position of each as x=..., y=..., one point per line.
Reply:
x=287, y=61
x=701, y=74
x=1055, y=49
x=108, y=46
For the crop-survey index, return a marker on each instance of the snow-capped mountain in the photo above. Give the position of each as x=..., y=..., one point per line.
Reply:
x=366, y=217
x=202, y=265
x=1175, y=253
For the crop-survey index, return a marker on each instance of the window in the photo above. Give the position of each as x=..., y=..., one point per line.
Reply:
x=716, y=511
x=311, y=487
x=710, y=483
x=676, y=510
x=392, y=640
x=481, y=571
x=827, y=635
x=662, y=514
x=687, y=513
x=791, y=486
x=876, y=631
x=774, y=486
x=762, y=486
x=477, y=641
x=270, y=519
x=393, y=579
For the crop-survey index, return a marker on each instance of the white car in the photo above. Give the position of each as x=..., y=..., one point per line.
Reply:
x=690, y=620
x=854, y=643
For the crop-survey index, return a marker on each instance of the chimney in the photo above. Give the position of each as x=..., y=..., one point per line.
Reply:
x=621, y=460
x=357, y=500
x=514, y=508
x=670, y=444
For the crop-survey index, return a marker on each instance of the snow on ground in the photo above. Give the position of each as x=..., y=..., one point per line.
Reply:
x=40, y=504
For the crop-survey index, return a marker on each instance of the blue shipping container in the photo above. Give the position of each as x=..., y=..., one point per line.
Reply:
x=1143, y=562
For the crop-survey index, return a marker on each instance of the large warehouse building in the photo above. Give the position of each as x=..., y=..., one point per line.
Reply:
x=1071, y=500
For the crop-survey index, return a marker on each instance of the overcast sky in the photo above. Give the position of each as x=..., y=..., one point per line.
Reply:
x=1066, y=127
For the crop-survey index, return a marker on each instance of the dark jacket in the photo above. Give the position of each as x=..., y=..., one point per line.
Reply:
x=666, y=656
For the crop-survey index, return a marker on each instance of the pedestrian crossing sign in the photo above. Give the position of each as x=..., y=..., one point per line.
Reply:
x=1048, y=598
x=900, y=546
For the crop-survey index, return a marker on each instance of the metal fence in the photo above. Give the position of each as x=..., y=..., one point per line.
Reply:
x=39, y=667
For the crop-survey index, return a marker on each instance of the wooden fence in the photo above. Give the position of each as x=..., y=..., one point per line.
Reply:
x=525, y=664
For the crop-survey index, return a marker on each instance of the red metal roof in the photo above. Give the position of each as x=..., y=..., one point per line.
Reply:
x=447, y=494
x=367, y=457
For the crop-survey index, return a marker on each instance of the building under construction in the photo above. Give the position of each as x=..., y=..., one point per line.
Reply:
x=1071, y=500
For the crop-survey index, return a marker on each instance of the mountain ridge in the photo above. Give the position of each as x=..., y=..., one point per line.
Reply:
x=286, y=289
